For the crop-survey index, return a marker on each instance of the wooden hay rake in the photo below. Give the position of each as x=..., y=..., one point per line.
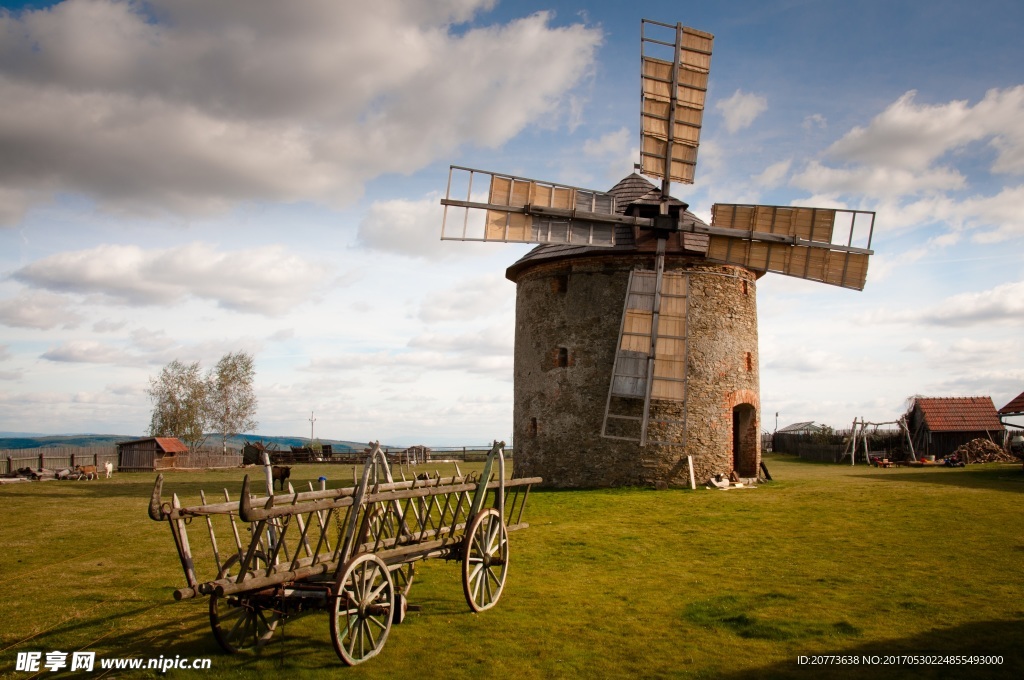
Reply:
x=350, y=551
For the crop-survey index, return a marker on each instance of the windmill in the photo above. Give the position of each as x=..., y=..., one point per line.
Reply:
x=657, y=378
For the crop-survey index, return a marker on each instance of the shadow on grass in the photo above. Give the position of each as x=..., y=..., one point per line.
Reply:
x=1001, y=478
x=189, y=636
x=139, y=487
x=984, y=638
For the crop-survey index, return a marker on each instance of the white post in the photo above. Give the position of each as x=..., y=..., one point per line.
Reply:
x=689, y=465
x=853, y=444
x=269, y=475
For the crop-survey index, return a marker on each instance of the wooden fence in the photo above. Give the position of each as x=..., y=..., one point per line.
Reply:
x=829, y=447
x=203, y=459
x=56, y=458
x=397, y=455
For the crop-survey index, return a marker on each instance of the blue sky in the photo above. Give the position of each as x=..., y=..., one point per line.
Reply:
x=183, y=179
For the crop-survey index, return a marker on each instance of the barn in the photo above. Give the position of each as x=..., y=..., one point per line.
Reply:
x=939, y=425
x=145, y=455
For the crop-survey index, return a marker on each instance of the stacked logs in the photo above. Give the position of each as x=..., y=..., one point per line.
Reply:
x=982, y=451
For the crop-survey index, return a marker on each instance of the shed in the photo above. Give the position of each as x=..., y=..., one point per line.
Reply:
x=940, y=424
x=141, y=455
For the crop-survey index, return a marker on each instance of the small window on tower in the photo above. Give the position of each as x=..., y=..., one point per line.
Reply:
x=560, y=284
x=563, y=357
x=533, y=427
x=744, y=286
x=750, y=362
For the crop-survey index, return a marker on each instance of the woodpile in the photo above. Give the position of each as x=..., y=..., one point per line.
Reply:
x=982, y=451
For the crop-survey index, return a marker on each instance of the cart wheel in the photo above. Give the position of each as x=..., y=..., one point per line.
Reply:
x=241, y=622
x=485, y=560
x=259, y=561
x=362, y=609
x=403, y=576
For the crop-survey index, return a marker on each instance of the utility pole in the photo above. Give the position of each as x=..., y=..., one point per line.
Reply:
x=311, y=421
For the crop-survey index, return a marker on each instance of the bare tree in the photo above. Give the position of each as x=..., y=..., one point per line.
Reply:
x=232, y=400
x=179, y=396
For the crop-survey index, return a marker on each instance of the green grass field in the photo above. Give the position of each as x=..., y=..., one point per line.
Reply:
x=610, y=583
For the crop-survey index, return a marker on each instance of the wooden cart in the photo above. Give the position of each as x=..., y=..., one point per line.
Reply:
x=350, y=551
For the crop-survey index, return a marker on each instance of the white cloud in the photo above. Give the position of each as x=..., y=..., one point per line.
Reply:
x=741, y=109
x=411, y=228
x=108, y=326
x=815, y=120
x=875, y=180
x=911, y=136
x=611, y=144
x=908, y=165
x=1002, y=304
x=470, y=299
x=803, y=360
x=90, y=352
x=190, y=107
x=773, y=174
x=281, y=335
x=266, y=280
x=38, y=310
x=965, y=352
x=152, y=341
x=493, y=340
x=617, y=151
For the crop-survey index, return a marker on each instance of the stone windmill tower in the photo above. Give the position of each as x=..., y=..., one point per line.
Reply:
x=636, y=323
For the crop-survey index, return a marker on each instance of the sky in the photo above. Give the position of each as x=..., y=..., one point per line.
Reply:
x=180, y=179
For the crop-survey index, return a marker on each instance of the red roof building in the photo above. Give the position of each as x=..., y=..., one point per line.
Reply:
x=941, y=424
x=141, y=455
x=1015, y=407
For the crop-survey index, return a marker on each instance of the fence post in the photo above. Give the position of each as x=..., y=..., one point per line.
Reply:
x=42, y=460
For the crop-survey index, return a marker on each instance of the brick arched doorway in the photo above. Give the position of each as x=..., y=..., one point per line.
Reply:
x=744, y=440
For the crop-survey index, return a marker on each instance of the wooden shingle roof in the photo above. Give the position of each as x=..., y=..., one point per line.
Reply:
x=633, y=190
x=959, y=414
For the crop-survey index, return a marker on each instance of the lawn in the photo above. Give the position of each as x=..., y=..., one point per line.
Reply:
x=826, y=560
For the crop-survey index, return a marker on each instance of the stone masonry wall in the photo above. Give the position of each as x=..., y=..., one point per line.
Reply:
x=567, y=323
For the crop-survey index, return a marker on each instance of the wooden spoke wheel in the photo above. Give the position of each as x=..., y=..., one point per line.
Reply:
x=362, y=610
x=230, y=568
x=485, y=560
x=403, y=576
x=242, y=622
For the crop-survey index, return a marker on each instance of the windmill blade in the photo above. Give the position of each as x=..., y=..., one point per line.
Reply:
x=650, y=358
x=673, y=92
x=794, y=241
x=510, y=209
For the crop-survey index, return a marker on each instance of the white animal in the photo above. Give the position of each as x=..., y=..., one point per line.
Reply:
x=109, y=467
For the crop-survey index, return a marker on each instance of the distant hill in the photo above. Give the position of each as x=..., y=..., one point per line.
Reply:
x=46, y=441
x=23, y=441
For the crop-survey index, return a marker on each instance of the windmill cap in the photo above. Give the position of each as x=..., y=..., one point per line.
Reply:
x=632, y=195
